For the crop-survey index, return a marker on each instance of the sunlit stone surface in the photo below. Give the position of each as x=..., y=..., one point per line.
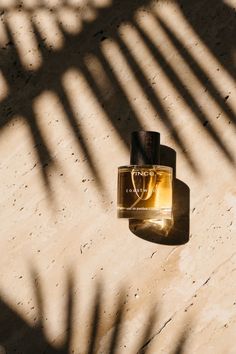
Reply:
x=73, y=85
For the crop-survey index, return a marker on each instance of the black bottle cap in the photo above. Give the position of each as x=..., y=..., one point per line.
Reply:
x=145, y=148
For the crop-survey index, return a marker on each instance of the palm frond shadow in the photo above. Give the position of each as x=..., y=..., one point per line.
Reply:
x=26, y=84
x=219, y=37
x=180, y=348
x=17, y=336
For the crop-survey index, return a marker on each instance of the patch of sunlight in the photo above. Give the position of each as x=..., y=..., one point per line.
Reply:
x=4, y=90
x=24, y=39
x=176, y=75
x=179, y=69
x=214, y=312
x=30, y=4
x=17, y=167
x=6, y=4
x=49, y=4
x=101, y=3
x=127, y=80
x=100, y=76
x=47, y=25
x=77, y=3
x=50, y=118
x=89, y=14
x=143, y=62
x=3, y=35
x=176, y=68
x=54, y=125
x=191, y=42
x=16, y=161
x=94, y=123
x=69, y=19
x=83, y=101
x=231, y=3
x=54, y=120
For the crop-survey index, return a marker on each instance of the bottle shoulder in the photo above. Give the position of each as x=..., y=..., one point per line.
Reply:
x=130, y=168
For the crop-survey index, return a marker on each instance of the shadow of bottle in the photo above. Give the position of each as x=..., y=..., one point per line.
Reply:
x=179, y=232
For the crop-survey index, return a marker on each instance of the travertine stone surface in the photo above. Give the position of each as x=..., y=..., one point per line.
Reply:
x=76, y=78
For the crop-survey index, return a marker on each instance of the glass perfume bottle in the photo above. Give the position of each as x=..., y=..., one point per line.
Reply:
x=145, y=187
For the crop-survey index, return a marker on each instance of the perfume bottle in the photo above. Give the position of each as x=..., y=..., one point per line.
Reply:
x=144, y=186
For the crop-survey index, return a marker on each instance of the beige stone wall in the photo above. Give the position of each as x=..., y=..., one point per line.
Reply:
x=76, y=78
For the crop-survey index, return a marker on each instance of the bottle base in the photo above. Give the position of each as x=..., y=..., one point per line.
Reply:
x=145, y=214
x=152, y=227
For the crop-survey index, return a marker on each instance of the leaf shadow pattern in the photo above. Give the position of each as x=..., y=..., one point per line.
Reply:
x=17, y=336
x=26, y=84
x=219, y=37
x=181, y=344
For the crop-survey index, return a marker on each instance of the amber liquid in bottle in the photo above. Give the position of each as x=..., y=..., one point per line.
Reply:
x=145, y=192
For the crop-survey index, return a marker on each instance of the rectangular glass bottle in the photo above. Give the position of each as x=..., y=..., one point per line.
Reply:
x=144, y=192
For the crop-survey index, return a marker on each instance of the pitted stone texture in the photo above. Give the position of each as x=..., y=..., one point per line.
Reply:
x=76, y=78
